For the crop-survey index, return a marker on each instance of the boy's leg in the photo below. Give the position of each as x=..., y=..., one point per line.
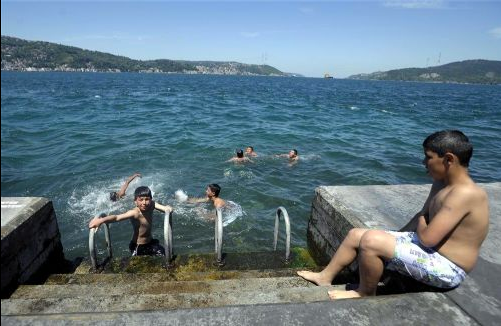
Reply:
x=375, y=247
x=345, y=255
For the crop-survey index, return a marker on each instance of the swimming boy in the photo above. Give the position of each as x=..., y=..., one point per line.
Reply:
x=239, y=158
x=292, y=155
x=141, y=217
x=249, y=151
x=442, y=241
x=114, y=196
x=212, y=195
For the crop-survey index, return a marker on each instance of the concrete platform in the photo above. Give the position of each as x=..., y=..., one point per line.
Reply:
x=334, y=211
x=31, y=243
x=420, y=309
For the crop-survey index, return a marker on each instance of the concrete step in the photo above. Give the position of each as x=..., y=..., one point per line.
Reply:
x=170, y=275
x=141, y=302
x=146, y=286
x=406, y=309
x=300, y=258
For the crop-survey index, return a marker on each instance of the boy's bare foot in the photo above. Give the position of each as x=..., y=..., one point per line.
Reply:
x=337, y=294
x=316, y=278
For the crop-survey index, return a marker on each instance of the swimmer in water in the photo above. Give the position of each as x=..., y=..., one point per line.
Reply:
x=249, y=151
x=114, y=195
x=292, y=155
x=239, y=158
x=212, y=195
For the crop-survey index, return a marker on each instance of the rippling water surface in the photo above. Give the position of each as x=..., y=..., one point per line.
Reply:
x=74, y=137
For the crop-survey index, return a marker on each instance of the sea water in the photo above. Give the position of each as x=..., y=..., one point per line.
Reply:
x=75, y=137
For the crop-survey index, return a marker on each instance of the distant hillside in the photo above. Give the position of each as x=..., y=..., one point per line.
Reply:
x=469, y=71
x=23, y=55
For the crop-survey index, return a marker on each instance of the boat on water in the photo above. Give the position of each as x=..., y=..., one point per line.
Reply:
x=327, y=76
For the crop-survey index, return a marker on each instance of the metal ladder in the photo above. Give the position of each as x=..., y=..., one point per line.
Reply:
x=92, y=243
x=281, y=211
x=218, y=237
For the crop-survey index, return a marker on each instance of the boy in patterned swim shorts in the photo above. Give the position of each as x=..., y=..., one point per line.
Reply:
x=439, y=245
x=141, y=217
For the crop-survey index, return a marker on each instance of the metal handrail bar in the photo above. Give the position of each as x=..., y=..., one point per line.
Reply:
x=218, y=236
x=168, y=236
x=282, y=211
x=92, y=243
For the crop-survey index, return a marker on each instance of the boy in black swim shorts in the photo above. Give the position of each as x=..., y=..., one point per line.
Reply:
x=141, y=218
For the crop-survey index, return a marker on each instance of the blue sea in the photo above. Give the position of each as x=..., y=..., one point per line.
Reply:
x=74, y=137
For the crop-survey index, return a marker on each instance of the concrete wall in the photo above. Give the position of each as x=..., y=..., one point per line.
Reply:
x=329, y=223
x=30, y=239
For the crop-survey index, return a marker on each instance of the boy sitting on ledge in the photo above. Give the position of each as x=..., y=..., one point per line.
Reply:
x=141, y=217
x=440, y=245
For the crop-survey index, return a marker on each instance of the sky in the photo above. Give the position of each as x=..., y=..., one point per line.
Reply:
x=311, y=38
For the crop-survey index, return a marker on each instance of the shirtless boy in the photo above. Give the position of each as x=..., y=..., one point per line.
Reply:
x=212, y=193
x=249, y=151
x=141, y=217
x=442, y=241
x=292, y=155
x=239, y=158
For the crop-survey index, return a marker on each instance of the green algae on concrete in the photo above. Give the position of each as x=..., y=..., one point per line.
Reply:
x=143, y=264
x=184, y=266
x=300, y=257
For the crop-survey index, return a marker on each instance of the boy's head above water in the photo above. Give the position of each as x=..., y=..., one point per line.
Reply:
x=142, y=191
x=143, y=198
x=213, y=190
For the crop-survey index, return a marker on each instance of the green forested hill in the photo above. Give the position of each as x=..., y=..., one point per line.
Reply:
x=23, y=55
x=469, y=71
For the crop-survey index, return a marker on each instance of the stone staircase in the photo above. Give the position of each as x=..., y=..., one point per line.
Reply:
x=143, y=284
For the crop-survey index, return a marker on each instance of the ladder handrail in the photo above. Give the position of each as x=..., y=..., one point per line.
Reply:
x=218, y=236
x=168, y=236
x=282, y=211
x=92, y=243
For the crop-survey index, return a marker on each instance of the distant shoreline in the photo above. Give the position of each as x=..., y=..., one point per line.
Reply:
x=43, y=70
x=116, y=71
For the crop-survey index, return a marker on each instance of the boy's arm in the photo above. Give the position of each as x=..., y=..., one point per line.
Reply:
x=197, y=200
x=455, y=207
x=411, y=226
x=97, y=221
x=123, y=189
x=163, y=208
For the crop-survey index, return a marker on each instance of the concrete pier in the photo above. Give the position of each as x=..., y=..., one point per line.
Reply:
x=30, y=239
x=277, y=297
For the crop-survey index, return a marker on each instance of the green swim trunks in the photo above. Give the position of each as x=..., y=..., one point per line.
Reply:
x=423, y=264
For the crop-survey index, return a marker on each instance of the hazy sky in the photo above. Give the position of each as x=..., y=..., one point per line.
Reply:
x=306, y=37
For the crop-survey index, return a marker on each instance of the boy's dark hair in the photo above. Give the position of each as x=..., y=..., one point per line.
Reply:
x=113, y=196
x=215, y=188
x=252, y=148
x=295, y=151
x=240, y=153
x=142, y=191
x=450, y=141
